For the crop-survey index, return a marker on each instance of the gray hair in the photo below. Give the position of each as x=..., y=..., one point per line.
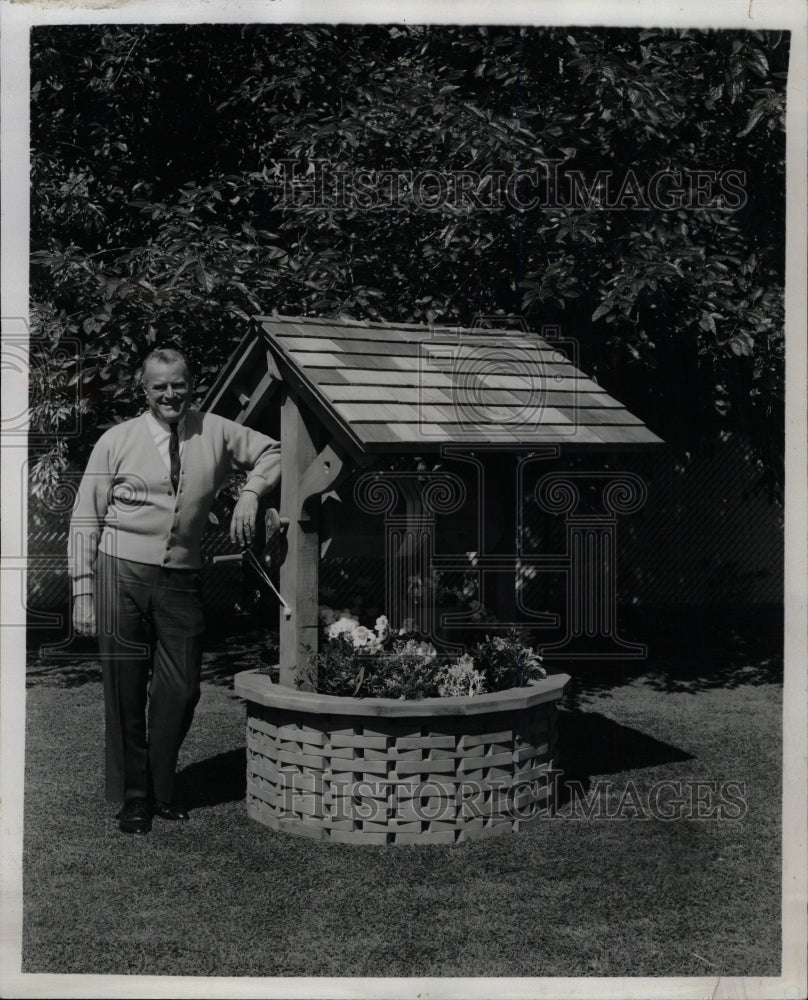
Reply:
x=166, y=355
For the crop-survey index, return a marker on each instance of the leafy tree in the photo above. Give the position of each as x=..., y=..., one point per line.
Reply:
x=172, y=171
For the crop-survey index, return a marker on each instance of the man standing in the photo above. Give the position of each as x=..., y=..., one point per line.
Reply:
x=134, y=561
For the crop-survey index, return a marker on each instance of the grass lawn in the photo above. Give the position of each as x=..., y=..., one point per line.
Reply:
x=224, y=896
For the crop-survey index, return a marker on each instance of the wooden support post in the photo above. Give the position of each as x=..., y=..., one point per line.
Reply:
x=299, y=571
x=499, y=530
x=411, y=563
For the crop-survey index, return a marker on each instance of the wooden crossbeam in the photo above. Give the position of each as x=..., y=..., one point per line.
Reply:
x=242, y=360
x=254, y=404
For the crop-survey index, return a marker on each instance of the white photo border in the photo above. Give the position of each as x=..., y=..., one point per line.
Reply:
x=16, y=19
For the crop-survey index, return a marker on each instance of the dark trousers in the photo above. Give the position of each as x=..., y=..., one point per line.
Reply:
x=150, y=630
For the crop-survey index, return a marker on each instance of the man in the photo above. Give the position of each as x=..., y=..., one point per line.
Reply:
x=134, y=560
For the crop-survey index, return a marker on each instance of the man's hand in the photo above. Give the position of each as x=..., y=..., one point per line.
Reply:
x=242, y=525
x=84, y=615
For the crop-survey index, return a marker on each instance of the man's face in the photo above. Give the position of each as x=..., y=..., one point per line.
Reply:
x=168, y=389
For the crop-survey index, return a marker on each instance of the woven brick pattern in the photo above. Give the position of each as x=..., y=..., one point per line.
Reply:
x=369, y=780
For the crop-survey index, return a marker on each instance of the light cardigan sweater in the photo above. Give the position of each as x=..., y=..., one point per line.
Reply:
x=126, y=505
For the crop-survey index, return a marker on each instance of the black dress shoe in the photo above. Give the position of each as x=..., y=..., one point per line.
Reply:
x=165, y=810
x=135, y=816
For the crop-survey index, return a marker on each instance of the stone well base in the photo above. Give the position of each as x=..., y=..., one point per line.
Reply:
x=379, y=771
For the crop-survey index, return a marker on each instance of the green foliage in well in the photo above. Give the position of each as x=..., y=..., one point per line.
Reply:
x=355, y=661
x=506, y=662
x=400, y=671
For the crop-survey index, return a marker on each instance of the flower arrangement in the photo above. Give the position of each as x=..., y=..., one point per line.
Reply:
x=382, y=662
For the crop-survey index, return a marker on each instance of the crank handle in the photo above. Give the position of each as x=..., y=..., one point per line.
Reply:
x=287, y=611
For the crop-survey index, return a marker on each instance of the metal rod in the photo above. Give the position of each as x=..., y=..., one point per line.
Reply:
x=265, y=577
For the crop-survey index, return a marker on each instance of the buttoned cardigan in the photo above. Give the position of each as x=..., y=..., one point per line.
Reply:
x=126, y=506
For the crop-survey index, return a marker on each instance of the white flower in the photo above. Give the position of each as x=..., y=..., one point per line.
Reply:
x=382, y=626
x=346, y=625
x=361, y=636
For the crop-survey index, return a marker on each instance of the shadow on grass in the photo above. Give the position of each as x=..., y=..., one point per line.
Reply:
x=229, y=654
x=69, y=661
x=213, y=781
x=689, y=650
x=591, y=743
x=51, y=663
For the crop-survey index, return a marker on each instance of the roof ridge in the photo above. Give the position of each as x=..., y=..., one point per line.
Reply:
x=384, y=325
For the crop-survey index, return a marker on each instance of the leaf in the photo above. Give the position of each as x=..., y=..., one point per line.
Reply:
x=203, y=277
x=758, y=110
x=758, y=63
x=742, y=345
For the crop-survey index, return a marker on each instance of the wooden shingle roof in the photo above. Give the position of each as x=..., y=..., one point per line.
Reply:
x=399, y=388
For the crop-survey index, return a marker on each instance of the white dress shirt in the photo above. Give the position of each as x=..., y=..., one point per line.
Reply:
x=162, y=435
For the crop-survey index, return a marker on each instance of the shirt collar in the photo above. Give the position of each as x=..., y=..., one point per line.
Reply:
x=156, y=422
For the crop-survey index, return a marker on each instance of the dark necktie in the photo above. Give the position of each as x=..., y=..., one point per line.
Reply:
x=174, y=456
